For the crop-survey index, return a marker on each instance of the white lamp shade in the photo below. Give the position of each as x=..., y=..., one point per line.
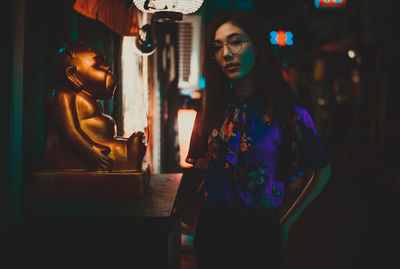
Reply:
x=180, y=6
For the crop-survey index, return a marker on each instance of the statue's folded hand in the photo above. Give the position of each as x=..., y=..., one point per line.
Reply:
x=99, y=158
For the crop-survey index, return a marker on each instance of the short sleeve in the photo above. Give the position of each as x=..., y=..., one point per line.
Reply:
x=311, y=153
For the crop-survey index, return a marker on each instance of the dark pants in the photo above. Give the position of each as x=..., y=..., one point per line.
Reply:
x=237, y=238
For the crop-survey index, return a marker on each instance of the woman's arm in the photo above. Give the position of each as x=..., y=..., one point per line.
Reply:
x=312, y=189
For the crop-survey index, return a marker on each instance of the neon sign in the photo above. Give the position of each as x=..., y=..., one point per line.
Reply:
x=281, y=38
x=329, y=3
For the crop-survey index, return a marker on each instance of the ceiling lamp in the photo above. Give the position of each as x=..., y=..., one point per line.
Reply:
x=145, y=43
x=168, y=10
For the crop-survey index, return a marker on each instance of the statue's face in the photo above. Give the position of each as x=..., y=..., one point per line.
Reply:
x=97, y=79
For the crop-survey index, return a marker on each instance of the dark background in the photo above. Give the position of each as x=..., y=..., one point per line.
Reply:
x=353, y=223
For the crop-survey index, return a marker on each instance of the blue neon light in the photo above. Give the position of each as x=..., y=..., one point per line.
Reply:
x=202, y=82
x=289, y=38
x=273, y=37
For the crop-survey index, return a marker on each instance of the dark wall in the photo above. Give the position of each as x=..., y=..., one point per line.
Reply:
x=6, y=226
x=380, y=48
x=169, y=95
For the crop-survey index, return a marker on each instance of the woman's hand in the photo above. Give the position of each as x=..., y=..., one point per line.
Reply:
x=314, y=186
x=285, y=228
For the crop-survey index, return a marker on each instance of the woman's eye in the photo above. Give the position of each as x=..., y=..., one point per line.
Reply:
x=236, y=42
x=216, y=48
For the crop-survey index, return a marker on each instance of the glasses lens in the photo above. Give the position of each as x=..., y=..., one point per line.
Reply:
x=214, y=50
x=235, y=44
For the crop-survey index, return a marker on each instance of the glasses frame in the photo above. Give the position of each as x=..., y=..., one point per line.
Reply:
x=227, y=44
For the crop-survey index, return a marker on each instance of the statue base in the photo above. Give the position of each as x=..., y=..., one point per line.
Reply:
x=114, y=232
x=88, y=184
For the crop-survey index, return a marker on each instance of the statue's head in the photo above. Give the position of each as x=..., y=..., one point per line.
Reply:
x=82, y=66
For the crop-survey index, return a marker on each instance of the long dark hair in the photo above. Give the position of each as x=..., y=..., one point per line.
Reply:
x=271, y=86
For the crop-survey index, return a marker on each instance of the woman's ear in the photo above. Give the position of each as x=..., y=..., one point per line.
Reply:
x=70, y=72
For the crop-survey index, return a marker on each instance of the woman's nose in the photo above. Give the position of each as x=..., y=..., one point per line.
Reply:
x=227, y=53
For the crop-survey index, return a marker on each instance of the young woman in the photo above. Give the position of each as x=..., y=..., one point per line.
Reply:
x=252, y=138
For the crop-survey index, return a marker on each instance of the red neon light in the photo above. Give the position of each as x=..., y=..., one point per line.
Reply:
x=281, y=38
x=332, y=3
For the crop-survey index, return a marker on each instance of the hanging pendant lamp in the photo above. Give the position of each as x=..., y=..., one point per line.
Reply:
x=168, y=10
x=145, y=42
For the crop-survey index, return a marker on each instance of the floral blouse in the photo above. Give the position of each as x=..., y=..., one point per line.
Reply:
x=251, y=159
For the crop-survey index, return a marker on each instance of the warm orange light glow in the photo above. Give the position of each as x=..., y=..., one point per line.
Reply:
x=330, y=3
x=195, y=95
x=281, y=38
x=186, y=119
x=285, y=75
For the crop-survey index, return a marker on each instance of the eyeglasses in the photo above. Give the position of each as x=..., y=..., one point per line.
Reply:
x=234, y=44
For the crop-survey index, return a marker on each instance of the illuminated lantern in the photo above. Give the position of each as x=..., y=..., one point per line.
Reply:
x=168, y=10
x=281, y=38
x=329, y=3
x=186, y=119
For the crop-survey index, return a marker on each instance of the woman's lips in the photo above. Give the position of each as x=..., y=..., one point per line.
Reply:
x=232, y=67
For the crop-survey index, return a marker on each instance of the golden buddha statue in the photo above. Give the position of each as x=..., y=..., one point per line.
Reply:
x=80, y=136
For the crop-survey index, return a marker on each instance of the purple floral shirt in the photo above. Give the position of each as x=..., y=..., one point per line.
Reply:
x=250, y=159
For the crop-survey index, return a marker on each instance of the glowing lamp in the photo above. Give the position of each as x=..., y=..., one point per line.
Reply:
x=186, y=119
x=145, y=43
x=329, y=3
x=168, y=10
x=281, y=38
x=351, y=54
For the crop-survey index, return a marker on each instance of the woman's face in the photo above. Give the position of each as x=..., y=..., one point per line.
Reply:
x=233, y=51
